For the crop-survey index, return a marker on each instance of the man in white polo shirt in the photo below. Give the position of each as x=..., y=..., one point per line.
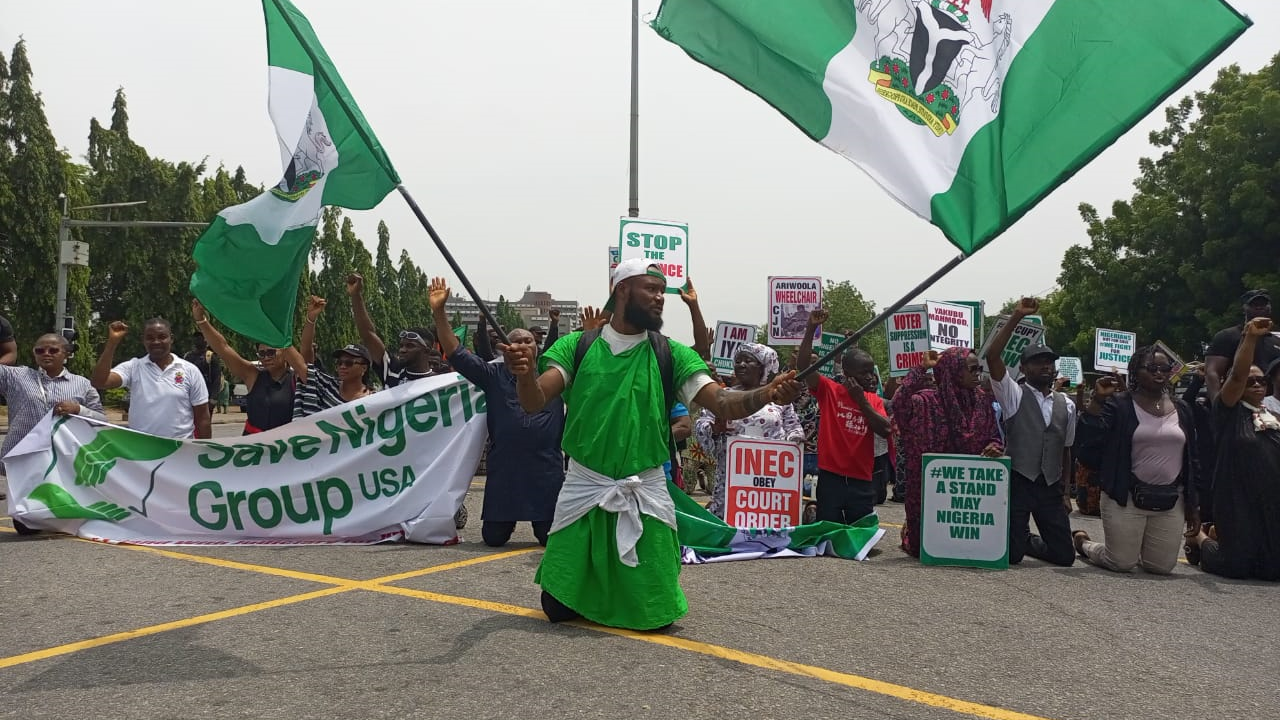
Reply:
x=167, y=395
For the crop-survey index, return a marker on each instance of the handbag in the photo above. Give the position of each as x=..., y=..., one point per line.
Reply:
x=1156, y=498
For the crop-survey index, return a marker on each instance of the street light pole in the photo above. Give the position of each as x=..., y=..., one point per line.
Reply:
x=77, y=253
x=633, y=205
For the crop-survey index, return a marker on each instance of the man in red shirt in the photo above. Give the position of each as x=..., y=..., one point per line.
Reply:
x=851, y=415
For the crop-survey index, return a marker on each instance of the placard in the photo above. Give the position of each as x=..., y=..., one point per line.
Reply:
x=615, y=257
x=965, y=506
x=1112, y=349
x=824, y=345
x=1072, y=369
x=908, y=334
x=762, y=483
x=729, y=337
x=1029, y=331
x=1174, y=360
x=662, y=242
x=791, y=299
x=950, y=325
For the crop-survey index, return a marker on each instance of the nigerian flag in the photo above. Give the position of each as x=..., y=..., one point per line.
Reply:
x=249, y=261
x=968, y=112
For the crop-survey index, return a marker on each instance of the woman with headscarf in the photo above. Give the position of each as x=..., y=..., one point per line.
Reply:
x=754, y=366
x=953, y=416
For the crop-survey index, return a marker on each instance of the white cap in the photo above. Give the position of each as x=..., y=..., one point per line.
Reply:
x=635, y=267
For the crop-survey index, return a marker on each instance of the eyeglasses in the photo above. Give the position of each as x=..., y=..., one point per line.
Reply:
x=46, y=350
x=1155, y=368
x=267, y=354
x=348, y=362
x=413, y=337
x=1255, y=380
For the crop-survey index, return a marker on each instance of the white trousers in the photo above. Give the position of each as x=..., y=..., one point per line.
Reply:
x=1135, y=537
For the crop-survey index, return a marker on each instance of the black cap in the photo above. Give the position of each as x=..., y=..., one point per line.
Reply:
x=1251, y=295
x=1272, y=367
x=358, y=351
x=1037, y=350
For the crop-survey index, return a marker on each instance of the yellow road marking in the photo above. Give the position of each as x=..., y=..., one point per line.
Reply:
x=342, y=585
x=164, y=627
x=858, y=682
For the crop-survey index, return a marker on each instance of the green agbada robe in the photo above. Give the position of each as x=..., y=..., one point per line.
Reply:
x=617, y=425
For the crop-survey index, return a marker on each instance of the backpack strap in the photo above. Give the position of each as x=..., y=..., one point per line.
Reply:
x=585, y=342
x=666, y=366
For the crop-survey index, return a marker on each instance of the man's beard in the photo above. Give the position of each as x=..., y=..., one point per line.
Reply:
x=641, y=319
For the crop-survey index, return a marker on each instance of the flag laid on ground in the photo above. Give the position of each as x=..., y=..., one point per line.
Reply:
x=250, y=259
x=706, y=538
x=968, y=112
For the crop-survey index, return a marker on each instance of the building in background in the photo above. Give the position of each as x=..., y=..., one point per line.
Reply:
x=534, y=308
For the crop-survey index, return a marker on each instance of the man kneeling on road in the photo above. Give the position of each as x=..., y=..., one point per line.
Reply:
x=525, y=467
x=613, y=556
x=1040, y=428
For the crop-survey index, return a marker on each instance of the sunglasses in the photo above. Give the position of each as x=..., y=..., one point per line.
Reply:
x=1255, y=380
x=348, y=362
x=413, y=337
x=266, y=354
x=1155, y=368
x=46, y=350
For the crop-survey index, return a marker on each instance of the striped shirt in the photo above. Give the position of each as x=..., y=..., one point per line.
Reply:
x=321, y=391
x=32, y=394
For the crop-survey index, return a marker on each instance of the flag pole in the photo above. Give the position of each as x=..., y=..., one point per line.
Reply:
x=874, y=322
x=448, y=257
x=633, y=196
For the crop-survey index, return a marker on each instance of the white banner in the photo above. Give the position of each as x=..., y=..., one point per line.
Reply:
x=393, y=465
x=791, y=299
x=950, y=325
x=908, y=333
x=729, y=337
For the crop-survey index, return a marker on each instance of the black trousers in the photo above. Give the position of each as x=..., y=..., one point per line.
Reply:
x=496, y=534
x=1037, y=499
x=844, y=499
x=882, y=477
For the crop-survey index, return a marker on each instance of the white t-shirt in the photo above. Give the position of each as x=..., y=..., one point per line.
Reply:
x=161, y=402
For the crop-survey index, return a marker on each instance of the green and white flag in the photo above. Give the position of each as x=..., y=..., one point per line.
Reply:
x=249, y=261
x=968, y=112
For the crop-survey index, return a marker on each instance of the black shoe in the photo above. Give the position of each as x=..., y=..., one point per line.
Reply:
x=23, y=529
x=557, y=611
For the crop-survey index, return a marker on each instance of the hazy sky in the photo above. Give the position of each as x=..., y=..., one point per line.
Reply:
x=508, y=121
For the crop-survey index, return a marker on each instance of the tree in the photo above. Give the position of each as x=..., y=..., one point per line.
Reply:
x=1203, y=226
x=507, y=316
x=850, y=311
x=388, y=286
x=34, y=174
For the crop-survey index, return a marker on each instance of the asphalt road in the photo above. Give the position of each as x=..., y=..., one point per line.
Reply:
x=98, y=631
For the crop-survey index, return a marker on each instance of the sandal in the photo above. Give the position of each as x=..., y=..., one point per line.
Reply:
x=1078, y=538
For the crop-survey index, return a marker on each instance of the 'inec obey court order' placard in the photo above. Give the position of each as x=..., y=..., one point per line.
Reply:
x=762, y=483
x=662, y=242
x=965, y=511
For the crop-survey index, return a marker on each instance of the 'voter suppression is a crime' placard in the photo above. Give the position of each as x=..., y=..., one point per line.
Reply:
x=965, y=510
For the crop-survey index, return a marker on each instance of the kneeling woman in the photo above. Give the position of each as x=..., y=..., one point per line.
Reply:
x=1246, y=480
x=1143, y=444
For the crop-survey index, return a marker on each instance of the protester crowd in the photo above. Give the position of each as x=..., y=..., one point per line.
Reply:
x=1195, y=472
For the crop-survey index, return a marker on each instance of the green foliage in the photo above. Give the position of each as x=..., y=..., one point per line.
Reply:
x=1203, y=226
x=506, y=315
x=850, y=311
